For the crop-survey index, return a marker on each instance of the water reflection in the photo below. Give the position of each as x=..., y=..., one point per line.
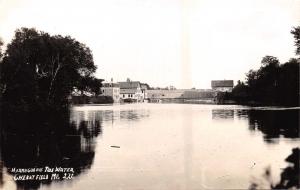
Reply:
x=61, y=141
x=83, y=113
x=133, y=115
x=272, y=123
x=161, y=146
x=222, y=114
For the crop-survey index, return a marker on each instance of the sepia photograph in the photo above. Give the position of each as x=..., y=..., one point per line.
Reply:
x=149, y=94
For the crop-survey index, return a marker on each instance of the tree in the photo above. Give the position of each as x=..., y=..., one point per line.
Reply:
x=1, y=44
x=89, y=84
x=269, y=60
x=289, y=177
x=288, y=82
x=296, y=33
x=240, y=92
x=40, y=69
x=273, y=83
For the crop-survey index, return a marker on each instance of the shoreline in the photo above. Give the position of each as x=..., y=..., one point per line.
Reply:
x=139, y=103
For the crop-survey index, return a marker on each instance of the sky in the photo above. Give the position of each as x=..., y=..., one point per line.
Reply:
x=184, y=43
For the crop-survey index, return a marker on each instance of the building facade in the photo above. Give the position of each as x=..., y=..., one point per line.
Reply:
x=222, y=85
x=111, y=89
x=131, y=91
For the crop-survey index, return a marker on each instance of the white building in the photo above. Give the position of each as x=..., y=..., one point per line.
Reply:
x=131, y=91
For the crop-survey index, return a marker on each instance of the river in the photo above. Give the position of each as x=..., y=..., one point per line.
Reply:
x=179, y=146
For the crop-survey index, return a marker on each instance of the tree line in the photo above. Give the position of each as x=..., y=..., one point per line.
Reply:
x=274, y=83
x=39, y=70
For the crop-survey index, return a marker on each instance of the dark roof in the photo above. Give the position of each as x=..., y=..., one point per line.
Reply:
x=221, y=83
x=110, y=85
x=129, y=85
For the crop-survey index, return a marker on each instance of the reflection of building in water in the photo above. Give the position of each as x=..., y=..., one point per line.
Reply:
x=222, y=114
x=222, y=85
x=132, y=115
x=242, y=114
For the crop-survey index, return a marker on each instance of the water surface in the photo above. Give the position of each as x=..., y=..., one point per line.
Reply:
x=180, y=146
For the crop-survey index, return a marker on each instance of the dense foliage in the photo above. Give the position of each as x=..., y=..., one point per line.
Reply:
x=296, y=33
x=39, y=70
x=273, y=83
x=1, y=44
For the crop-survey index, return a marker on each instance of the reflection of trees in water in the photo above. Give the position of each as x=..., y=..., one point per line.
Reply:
x=54, y=142
x=289, y=177
x=222, y=114
x=274, y=123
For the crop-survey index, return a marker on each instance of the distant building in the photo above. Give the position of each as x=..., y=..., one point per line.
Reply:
x=222, y=85
x=181, y=94
x=111, y=89
x=131, y=91
x=171, y=87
